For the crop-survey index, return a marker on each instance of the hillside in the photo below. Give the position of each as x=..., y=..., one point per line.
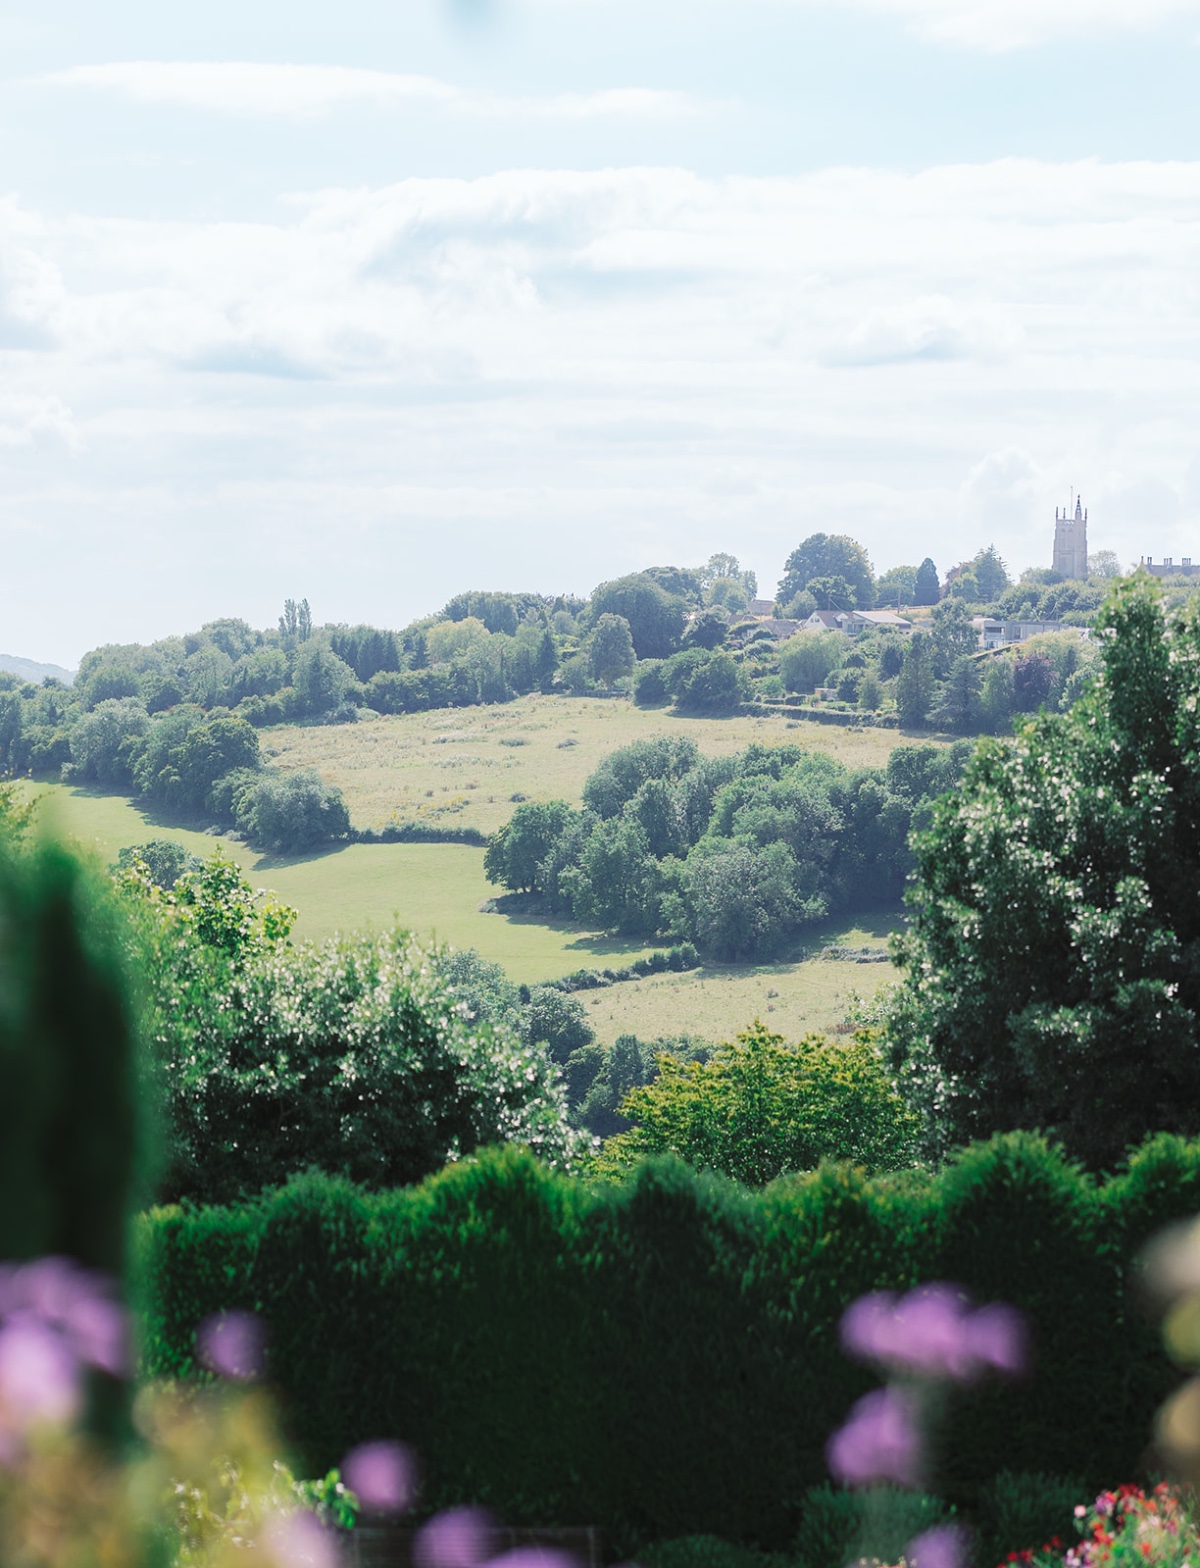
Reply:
x=468, y=767
x=31, y=670
x=462, y=768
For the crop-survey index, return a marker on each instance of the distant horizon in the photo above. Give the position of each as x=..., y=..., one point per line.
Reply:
x=380, y=300
x=268, y=622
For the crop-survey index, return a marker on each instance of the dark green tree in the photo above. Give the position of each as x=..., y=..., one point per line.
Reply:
x=1052, y=969
x=897, y=586
x=655, y=617
x=916, y=681
x=828, y=555
x=516, y=851
x=928, y=590
x=545, y=662
x=322, y=680
x=557, y=1021
x=991, y=574
x=610, y=650
x=952, y=635
x=832, y=593
x=719, y=685
x=959, y=705
x=707, y=630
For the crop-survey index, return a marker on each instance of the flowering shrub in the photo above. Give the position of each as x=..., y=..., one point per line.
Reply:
x=200, y=1484
x=1124, y=1528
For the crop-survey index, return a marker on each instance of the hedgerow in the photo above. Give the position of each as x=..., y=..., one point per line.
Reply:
x=660, y=1356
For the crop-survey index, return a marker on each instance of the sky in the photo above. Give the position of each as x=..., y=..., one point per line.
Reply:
x=373, y=303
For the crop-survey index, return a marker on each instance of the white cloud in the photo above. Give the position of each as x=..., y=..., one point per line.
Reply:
x=29, y=420
x=998, y=26
x=929, y=328
x=301, y=91
x=540, y=378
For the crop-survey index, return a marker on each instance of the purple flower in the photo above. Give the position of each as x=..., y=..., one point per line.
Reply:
x=39, y=1374
x=300, y=1540
x=933, y=1332
x=995, y=1337
x=945, y=1546
x=381, y=1476
x=535, y=1557
x=880, y=1441
x=458, y=1538
x=76, y=1302
x=233, y=1344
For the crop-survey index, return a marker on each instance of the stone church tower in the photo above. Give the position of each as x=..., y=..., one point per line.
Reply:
x=1070, y=542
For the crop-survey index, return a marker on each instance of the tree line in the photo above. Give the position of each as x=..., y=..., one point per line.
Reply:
x=736, y=854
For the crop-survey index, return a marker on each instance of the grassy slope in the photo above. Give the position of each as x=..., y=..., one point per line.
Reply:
x=452, y=767
x=460, y=767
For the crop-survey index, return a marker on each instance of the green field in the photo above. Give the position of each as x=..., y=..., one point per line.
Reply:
x=467, y=767
x=811, y=995
x=433, y=889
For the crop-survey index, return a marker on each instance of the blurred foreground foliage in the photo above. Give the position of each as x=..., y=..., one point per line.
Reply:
x=660, y=1355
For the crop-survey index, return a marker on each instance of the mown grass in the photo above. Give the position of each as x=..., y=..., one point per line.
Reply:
x=468, y=767
x=808, y=995
x=433, y=889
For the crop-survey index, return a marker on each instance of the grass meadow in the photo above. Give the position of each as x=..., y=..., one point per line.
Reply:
x=467, y=767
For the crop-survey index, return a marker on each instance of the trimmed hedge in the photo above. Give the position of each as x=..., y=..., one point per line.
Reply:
x=660, y=1357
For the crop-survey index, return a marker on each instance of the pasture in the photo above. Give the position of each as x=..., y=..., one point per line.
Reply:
x=808, y=995
x=468, y=767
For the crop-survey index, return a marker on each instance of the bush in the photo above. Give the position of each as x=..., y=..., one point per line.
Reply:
x=290, y=812
x=349, y=1057
x=854, y=1527
x=759, y=1109
x=1022, y=1510
x=649, y=687
x=660, y=1355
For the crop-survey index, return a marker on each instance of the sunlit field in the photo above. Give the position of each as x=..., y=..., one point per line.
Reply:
x=715, y=1001
x=436, y=890
x=467, y=767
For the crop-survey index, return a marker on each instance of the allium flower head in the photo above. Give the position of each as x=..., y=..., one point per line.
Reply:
x=945, y=1546
x=934, y=1332
x=381, y=1475
x=300, y=1540
x=232, y=1344
x=457, y=1538
x=880, y=1442
x=40, y=1375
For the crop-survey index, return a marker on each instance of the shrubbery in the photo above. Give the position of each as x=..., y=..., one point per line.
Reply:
x=660, y=1357
x=758, y=1109
x=351, y=1056
x=735, y=854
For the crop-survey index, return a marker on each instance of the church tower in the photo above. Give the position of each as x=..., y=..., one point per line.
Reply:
x=1070, y=542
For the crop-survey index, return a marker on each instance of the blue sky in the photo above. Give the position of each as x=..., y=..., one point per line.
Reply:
x=373, y=303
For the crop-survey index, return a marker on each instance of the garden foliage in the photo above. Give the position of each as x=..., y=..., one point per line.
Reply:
x=660, y=1356
x=758, y=1109
x=353, y=1056
x=1053, y=961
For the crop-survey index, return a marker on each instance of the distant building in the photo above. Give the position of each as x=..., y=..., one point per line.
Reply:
x=1070, y=542
x=994, y=633
x=876, y=620
x=761, y=607
x=1170, y=567
x=825, y=621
